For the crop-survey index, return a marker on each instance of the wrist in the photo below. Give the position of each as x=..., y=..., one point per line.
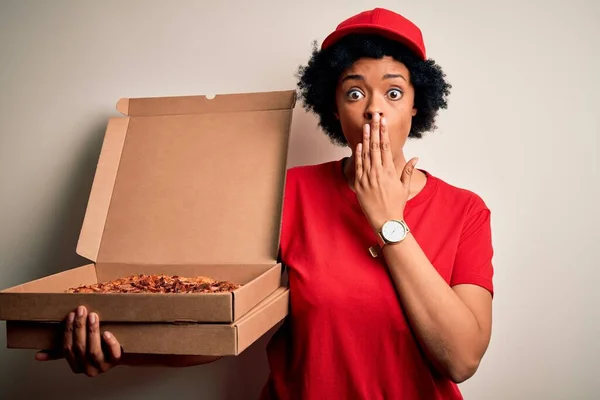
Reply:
x=392, y=232
x=377, y=224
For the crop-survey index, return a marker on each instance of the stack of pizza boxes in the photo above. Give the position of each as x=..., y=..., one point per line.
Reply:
x=187, y=186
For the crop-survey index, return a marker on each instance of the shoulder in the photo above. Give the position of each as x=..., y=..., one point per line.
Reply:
x=306, y=187
x=310, y=174
x=461, y=199
x=310, y=170
x=466, y=207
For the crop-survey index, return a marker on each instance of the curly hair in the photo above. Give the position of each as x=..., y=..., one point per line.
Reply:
x=317, y=81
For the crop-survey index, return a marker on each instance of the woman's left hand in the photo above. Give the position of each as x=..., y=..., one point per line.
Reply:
x=380, y=193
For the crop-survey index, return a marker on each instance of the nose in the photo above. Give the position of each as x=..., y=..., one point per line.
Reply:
x=373, y=107
x=369, y=114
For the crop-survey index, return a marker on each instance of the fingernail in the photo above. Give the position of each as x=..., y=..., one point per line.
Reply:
x=92, y=318
x=107, y=335
x=80, y=311
x=383, y=122
x=71, y=317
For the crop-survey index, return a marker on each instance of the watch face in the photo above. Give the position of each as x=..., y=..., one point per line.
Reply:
x=393, y=231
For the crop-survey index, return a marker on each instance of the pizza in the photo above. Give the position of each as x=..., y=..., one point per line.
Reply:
x=158, y=284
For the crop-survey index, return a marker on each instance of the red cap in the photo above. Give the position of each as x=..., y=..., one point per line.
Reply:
x=383, y=22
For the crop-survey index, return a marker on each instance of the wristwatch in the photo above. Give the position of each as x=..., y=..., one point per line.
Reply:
x=393, y=231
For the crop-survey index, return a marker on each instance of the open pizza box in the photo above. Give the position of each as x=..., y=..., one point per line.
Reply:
x=184, y=186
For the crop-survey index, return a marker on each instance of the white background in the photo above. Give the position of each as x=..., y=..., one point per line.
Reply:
x=521, y=131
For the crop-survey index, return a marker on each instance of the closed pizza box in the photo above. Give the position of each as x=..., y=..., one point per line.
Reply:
x=162, y=338
x=184, y=186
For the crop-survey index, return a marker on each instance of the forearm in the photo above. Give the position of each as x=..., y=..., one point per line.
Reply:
x=444, y=325
x=164, y=360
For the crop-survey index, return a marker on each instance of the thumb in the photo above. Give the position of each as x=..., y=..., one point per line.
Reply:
x=408, y=170
x=48, y=355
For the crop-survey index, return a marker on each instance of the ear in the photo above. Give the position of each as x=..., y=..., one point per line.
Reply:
x=337, y=115
x=414, y=111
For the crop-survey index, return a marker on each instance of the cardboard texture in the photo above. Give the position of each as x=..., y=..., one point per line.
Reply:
x=184, y=186
x=187, y=339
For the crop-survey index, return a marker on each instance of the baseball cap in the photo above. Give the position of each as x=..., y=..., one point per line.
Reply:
x=382, y=22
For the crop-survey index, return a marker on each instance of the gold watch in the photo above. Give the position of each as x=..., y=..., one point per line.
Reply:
x=393, y=231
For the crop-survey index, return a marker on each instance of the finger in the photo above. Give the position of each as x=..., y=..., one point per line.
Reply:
x=91, y=370
x=80, y=336
x=68, y=344
x=376, y=141
x=407, y=172
x=94, y=344
x=49, y=355
x=366, y=148
x=358, y=163
x=387, y=158
x=113, y=346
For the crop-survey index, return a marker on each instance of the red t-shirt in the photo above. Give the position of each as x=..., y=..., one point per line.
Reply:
x=347, y=336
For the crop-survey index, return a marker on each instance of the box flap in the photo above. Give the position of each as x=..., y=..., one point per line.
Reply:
x=102, y=189
x=189, y=180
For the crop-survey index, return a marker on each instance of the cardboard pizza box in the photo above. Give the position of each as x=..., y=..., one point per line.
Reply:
x=162, y=338
x=184, y=186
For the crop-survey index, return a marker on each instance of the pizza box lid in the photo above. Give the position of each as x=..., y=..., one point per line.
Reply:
x=190, y=180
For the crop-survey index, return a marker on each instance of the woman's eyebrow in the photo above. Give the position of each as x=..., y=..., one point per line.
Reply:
x=392, y=76
x=362, y=78
x=356, y=77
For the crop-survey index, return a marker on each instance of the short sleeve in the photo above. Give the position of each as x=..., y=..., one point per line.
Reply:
x=473, y=261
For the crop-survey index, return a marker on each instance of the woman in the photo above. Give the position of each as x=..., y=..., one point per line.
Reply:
x=390, y=268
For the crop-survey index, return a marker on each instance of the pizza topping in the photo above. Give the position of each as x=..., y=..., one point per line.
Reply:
x=158, y=284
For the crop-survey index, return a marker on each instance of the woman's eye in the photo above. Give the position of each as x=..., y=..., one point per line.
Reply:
x=395, y=94
x=355, y=95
